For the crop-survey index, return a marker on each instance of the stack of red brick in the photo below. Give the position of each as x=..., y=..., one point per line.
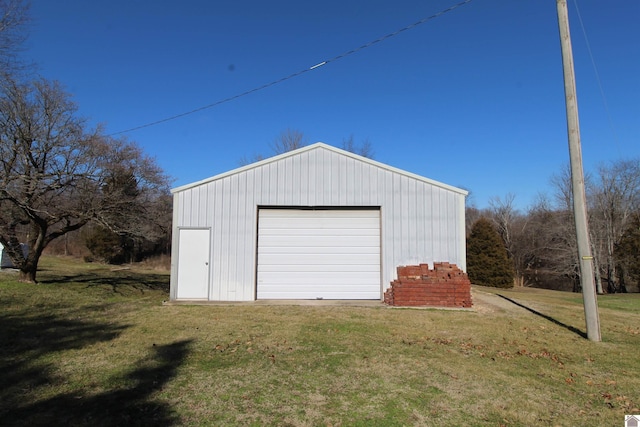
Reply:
x=444, y=286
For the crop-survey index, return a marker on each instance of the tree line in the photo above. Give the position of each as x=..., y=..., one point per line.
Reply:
x=58, y=174
x=541, y=242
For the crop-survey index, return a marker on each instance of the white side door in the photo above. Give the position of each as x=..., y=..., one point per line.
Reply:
x=193, y=263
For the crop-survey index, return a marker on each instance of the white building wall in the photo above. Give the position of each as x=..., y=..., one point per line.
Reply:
x=422, y=220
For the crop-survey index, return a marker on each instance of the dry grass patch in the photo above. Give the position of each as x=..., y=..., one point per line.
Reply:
x=91, y=345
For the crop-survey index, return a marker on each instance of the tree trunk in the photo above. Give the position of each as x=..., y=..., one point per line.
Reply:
x=29, y=268
x=622, y=284
x=28, y=273
x=598, y=275
x=28, y=276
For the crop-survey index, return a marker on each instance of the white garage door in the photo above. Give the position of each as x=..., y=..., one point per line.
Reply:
x=312, y=254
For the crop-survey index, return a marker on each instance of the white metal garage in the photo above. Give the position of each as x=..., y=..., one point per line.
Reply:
x=321, y=254
x=317, y=222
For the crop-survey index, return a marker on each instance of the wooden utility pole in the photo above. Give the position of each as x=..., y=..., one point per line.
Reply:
x=577, y=179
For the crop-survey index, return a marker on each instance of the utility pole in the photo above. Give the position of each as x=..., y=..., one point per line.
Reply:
x=577, y=179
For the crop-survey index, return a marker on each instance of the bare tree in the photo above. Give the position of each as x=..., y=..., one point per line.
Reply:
x=628, y=256
x=512, y=228
x=292, y=139
x=244, y=160
x=14, y=15
x=364, y=149
x=56, y=175
x=473, y=214
x=552, y=246
x=503, y=215
x=288, y=140
x=615, y=200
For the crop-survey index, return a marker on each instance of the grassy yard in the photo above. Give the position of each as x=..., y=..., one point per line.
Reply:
x=95, y=346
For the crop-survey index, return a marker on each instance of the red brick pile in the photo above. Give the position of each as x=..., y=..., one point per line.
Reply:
x=444, y=286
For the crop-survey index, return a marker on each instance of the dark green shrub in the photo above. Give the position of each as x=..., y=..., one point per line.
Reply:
x=107, y=246
x=488, y=263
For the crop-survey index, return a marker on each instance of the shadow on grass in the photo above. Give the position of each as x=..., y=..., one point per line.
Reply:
x=29, y=383
x=547, y=317
x=120, y=281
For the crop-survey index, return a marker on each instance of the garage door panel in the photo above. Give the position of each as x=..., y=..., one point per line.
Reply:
x=298, y=242
x=320, y=250
x=278, y=232
x=318, y=259
x=325, y=279
x=314, y=295
x=305, y=254
x=313, y=292
x=319, y=214
x=316, y=219
x=334, y=232
x=297, y=268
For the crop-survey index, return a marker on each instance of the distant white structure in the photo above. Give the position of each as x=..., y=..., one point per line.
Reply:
x=314, y=223
x=6, y=260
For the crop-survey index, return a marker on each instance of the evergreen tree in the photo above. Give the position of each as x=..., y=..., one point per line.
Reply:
x=487, y=261
x=628, y=253
x=107, y=246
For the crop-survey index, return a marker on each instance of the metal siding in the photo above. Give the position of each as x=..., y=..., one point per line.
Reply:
x=331, y=192
x=444, y=220
x=186, y=200
x=420, y=221
x=296, y=182
x=304, y=179
x=412, y=224
x=246, y=251
x=461, y=237
x=325, y=176
x=340, y=181
x=447, y=218
x=420, y=232
x=177, y=215
x=385, y=195
x=240, y=237
x=233, y=234
x=429, y=217
x=437, y=220
x=405, y=235
x=259, y=185
x=395, y=222
x=356, y=186
x=313, y=173
x=284, y=184
x=201, y=218
x=272, y=185
x=223, y=238
x=218, y=249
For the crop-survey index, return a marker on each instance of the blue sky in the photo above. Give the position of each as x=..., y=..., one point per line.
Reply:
x=473, y=98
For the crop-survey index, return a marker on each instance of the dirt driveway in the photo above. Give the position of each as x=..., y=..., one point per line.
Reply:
x=485, y=302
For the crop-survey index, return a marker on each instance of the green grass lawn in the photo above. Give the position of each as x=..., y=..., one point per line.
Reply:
x=92, y=345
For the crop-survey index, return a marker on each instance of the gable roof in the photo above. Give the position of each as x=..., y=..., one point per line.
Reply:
x=320, y=146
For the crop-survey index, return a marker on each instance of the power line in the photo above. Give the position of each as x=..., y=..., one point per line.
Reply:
x=599, y=80
x=296, y=74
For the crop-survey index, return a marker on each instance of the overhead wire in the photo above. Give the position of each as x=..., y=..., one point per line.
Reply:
x=296, y=74
x=598, y=79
